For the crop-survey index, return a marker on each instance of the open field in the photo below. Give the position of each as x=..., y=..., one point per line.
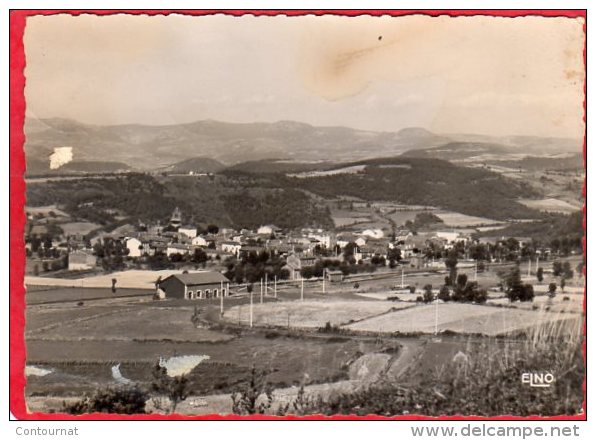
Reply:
x=82, y=228
x=129, y=279
x=288, y=361
x=127, y=323
x=574, y=304
x=462, y=318
x=310, y=314
x=45, y=210
x=341, y=221
x=551, y=205
x=457, y=220
x=55, y=294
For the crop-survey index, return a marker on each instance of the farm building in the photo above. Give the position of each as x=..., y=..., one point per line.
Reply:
x=81, y=260
x=198, y=285
x=335, y=276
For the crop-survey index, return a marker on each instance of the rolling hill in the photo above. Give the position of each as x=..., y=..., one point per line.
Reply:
x=196, y=165
x=150, y=147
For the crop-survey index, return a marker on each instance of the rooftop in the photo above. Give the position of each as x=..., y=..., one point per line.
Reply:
x=207, y=277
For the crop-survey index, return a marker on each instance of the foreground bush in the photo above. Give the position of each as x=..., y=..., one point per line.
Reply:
x=122, y=400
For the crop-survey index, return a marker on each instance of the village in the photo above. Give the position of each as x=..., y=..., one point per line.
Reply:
x=324, y=304
x=221, y=214
x=289, y=254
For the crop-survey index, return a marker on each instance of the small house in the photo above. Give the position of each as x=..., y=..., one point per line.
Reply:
x=334, y=276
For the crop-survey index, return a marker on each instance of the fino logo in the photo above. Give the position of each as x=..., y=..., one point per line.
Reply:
x=538, y=380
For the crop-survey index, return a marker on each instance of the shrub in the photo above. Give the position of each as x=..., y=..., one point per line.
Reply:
x=111, y=400
x=445, y=293
x=552, y=288
x=428, y=295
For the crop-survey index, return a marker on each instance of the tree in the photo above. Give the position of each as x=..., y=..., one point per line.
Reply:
x=250, y=400
x=212, y=229
x=462, y=280
x=563, y=284
x=349, y=250
x=394, y=255
x=451, y=264
x=199, y=257
x=114, y=281
x=552, y=288
x=557, y=268
x=540, y=274
x=428, y=295
x=174, y=388
x=515, y=289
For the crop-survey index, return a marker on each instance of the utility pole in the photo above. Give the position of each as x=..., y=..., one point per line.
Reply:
x=324, y=280
x=275, y=287
x=475, y=270
x=261, y=290
x=266, y=291
x=301, y=288
x=250, y=312
x=221, y=307
x=402, y=276
x=529, y=266
x=437, y=315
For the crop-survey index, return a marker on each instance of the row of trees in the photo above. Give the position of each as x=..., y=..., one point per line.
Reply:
x=253, y=267
x=347, y=268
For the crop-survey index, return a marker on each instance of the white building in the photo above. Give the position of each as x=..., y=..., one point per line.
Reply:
x=267, y=230
x=199, y=241
x=177, y=248
x=450, y=236
x=232, y=247
x=323, y=239
x=134, y=246
x=189, y=231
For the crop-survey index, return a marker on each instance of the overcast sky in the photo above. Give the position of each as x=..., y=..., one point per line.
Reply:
x=482, y=75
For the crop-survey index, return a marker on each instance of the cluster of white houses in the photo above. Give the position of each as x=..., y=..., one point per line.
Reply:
x=301, y=248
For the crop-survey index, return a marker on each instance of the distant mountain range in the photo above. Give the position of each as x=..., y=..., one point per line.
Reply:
x=205, y=146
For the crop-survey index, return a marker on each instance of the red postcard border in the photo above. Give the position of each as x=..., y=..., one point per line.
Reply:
x=17, y=202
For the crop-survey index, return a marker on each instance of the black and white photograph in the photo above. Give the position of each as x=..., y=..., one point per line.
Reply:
x=308, y=214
